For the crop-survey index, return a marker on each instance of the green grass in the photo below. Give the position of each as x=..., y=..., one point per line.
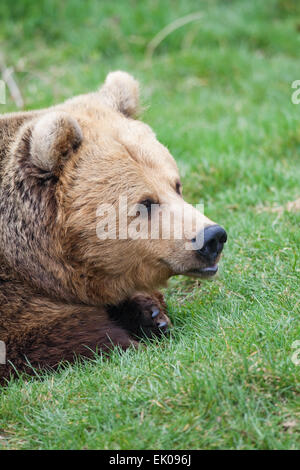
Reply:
x=218, y=94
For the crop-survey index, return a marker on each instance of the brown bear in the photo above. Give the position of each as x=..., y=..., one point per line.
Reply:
x=64, y=290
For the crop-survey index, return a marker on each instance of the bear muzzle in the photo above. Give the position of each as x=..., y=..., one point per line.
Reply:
x=214, y=238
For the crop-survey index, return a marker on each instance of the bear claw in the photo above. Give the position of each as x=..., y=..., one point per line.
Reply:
x=155, y=312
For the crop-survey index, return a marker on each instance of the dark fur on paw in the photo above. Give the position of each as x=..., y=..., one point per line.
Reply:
x=142, y=315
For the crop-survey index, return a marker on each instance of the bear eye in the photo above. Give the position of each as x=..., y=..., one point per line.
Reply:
x=147, y=203
x=178, y=188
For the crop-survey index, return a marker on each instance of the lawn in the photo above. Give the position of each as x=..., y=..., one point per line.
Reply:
x=218, y=93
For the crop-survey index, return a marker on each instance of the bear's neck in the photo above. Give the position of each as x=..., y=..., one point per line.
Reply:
x=29, y=249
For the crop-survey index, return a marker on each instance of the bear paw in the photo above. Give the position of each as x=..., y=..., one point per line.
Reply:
x=143, y=315
x=151, y=314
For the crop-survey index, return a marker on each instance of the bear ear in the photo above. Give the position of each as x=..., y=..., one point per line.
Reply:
x=121, y=92
x=54, y=137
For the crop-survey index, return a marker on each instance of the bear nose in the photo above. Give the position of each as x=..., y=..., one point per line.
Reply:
x=214, y=239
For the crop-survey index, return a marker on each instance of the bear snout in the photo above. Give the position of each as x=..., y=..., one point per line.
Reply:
x=214, y=238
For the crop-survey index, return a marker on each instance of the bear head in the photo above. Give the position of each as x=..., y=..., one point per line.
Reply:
x=93, y=202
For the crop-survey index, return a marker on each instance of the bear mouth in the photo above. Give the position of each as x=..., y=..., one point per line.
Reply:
x=203, y=273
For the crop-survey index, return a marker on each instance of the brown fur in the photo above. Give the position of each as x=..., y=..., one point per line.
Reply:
x=62, y=290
